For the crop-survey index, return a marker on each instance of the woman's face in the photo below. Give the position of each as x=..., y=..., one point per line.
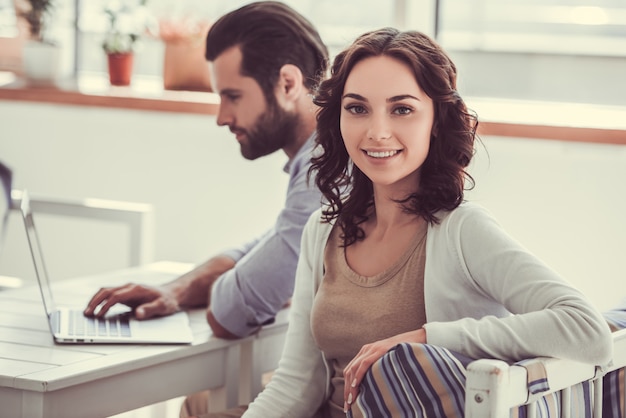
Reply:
x=386, y=121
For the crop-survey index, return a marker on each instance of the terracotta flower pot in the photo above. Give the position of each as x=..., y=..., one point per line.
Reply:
x=120, y=68
x=185, y=68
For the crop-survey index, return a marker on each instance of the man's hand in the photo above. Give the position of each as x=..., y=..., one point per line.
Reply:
x=146, y=301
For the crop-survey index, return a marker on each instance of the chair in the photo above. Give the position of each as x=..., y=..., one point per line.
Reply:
x=574, y=389
x=137, y=216
x=429, y=381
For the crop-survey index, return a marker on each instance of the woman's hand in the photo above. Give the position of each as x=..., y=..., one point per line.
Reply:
x=368, y=355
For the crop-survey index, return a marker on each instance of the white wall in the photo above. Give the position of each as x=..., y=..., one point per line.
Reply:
x=564, y=201
x=206, y=196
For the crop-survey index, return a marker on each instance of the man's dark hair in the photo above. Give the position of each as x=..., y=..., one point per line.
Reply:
x=270, y=34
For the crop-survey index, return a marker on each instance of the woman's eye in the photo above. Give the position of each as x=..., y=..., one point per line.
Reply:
x=355, y=109
x=403, y=110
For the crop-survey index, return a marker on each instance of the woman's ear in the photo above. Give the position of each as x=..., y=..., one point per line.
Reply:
x=435, y=130
x=290, y=83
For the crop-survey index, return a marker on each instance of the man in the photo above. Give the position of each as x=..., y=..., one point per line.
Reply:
x=265, y=59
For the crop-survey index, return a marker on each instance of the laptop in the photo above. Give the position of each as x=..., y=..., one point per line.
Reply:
x=69, y=326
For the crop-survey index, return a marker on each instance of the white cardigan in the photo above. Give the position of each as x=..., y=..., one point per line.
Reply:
x=475, y=277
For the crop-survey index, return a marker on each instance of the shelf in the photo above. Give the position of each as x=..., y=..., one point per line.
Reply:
x=145, y=93
x=497, y=117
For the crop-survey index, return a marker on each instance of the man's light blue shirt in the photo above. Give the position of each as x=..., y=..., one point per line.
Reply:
x=262, y=281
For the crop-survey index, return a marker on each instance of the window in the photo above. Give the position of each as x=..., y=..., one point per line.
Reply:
x=553, y=50
x=560, y=50
x=591, y=27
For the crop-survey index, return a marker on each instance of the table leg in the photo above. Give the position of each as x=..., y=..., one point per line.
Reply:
x=33, y=404
x=227, y=396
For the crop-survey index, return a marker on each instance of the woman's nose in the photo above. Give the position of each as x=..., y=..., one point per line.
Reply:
x=379, y=129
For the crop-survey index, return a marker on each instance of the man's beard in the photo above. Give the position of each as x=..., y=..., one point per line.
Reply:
x=273, y=130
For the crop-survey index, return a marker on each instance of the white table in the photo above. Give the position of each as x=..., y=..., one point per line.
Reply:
x=39, y=378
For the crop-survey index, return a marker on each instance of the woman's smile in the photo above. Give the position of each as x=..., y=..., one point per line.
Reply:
x=382, y=154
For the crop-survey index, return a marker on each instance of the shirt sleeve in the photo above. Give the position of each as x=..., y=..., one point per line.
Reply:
x=262, y=281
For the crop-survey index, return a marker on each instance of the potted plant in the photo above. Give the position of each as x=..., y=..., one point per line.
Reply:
x=41, y=57
x=119, y=48
x=127, y=21
x=184, y=64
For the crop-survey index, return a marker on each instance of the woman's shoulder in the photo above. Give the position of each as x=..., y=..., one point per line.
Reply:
x=317, y=227
x=469, y=222
x=466, y=211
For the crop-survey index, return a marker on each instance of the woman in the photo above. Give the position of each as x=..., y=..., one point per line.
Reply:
x=397, y=256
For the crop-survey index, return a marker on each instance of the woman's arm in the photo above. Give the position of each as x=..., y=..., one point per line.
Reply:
x=298, y=386
x=550, y=317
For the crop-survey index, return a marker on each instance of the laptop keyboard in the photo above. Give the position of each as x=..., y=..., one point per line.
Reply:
x=113, y=326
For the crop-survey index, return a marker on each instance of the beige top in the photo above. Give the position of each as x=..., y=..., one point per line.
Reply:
x=351, y=310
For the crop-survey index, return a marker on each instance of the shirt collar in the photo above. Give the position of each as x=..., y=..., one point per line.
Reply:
x=305, y=149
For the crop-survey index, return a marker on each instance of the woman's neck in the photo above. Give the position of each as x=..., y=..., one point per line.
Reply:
x=388, y=216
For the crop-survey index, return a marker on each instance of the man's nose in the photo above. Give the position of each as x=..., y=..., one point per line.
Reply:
x=224, y=116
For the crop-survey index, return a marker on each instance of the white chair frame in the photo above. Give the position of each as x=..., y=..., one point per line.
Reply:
x=493, y=387
x=139, y=217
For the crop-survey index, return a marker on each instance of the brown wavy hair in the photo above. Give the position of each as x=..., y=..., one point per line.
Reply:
x=349, y=192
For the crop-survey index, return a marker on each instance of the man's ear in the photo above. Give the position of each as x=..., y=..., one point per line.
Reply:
x=290, y=82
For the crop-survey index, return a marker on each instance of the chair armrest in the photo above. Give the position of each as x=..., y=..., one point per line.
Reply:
x=493, y=387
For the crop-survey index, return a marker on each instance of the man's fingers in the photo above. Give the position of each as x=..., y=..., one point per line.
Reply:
x=150, y=310
x=118, y=296
x=100, y=296
x=146, y=301
x=107, y=297
x=158, y=307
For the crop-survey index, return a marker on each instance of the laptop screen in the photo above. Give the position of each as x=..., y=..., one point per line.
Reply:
x=35, y=247
x=5, y=199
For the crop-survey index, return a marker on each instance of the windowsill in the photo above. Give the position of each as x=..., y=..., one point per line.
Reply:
x=144, y=93
x=576, y=122
x=498, y=117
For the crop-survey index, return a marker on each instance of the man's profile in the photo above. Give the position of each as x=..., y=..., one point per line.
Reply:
x=265, y=60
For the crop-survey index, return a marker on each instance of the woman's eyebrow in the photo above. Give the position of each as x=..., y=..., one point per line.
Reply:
x=354, y=96
x=402, y=97
x=389, y=100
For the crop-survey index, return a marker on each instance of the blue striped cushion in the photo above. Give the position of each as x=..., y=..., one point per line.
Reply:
x=413, y=380
x=425, y=381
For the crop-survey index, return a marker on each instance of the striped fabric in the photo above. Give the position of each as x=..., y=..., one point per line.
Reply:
x=613, y=394
x=413, y=380
x=425, y=381
x=550, y=406
x=537, y=375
